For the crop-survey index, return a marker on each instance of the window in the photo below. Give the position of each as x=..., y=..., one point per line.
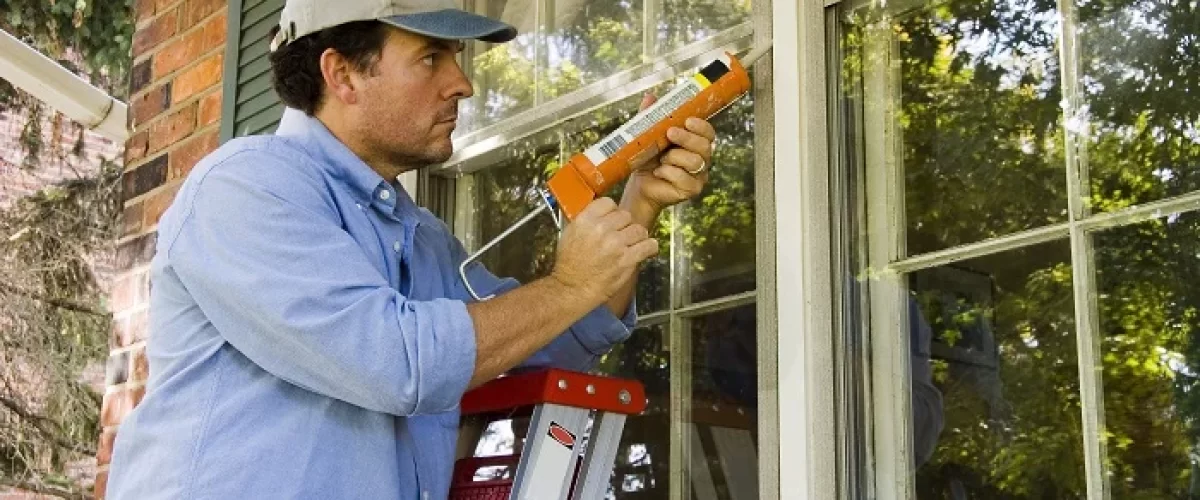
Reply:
x=1021, y=245
x=696, y=345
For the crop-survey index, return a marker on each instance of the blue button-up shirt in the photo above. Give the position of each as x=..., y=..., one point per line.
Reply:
x=309, y=336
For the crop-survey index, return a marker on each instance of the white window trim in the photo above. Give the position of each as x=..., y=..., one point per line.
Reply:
x=796, y=306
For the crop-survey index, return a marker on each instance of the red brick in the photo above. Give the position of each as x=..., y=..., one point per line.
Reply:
x=173, y=128
x=131, y=219
x=156, y=204
x=119, y=403
x=101, y=485
x=149, y=105
x=197, y=78
x=129, y=330
x=210, y=109
x=139, y=368
x=162, y=5
x=214, y=32
x=104, y=447
x=130, y=291
x=136, y=146
x=184, y=158
x=143, y=10
x=197, y=10
x=179, y=53
x=138, y=326
x=159, y=31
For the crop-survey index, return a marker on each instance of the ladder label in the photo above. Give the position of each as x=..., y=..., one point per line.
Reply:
x=562, y=435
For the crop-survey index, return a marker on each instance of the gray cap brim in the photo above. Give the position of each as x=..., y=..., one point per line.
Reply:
x=453, y=24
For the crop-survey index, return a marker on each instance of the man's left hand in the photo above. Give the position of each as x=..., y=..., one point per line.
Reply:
x=674, y=176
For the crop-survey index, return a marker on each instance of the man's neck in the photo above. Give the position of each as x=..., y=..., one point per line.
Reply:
x=386, y=169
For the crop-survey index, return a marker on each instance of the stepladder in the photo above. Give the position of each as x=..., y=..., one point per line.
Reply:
x=575, y=425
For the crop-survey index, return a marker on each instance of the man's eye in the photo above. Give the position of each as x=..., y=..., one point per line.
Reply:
x=428, y=60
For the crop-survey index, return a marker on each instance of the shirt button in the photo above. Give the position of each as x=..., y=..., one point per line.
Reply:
x=385, y=194
x=396, y=246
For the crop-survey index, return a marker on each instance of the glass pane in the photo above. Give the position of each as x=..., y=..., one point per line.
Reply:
x=995, y=393
x=723, y=431
x=502, y=74
x=687, y=21
x=718, y=226
x=642, y=469
x=972, y=90
x=1139, y=68
x=507, y=191
x=590, y=41
x=1148, y=278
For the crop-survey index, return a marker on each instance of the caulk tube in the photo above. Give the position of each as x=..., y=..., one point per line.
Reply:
x=596, y=170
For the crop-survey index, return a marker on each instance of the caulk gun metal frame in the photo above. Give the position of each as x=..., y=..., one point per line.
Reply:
x=591, y=173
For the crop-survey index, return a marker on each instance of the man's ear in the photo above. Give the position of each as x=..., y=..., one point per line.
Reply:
x=338, y=74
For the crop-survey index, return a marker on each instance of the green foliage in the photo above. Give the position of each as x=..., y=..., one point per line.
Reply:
x=984, y=145
x=91, y=37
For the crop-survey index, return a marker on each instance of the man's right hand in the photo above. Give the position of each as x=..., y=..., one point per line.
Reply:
x=601, y=249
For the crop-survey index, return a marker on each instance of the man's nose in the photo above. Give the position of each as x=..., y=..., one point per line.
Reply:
x=460, y=85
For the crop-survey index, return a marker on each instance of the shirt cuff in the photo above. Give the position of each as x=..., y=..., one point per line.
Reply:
x=446, y=376
x=600, y=330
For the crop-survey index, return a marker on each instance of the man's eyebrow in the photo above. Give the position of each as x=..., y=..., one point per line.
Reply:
x=455, y=46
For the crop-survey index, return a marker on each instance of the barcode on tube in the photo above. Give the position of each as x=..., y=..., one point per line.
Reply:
x=611, y=146
x=661, y=109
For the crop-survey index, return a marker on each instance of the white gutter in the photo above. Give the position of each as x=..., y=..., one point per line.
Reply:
x=29, y=70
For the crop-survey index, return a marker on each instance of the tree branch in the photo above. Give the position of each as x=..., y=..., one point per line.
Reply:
x=44, y=489
x=41, y=424
x=67, y=304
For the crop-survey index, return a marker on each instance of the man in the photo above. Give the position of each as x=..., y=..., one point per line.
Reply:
x=310, y=337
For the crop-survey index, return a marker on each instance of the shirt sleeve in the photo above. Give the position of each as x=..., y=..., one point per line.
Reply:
x=262, y=252
x=581, y=346
x=926, y=398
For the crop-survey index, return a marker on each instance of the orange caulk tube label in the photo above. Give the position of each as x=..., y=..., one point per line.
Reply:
x=596, y=170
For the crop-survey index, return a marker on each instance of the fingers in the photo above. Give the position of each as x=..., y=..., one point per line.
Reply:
x=701, y=127
x=684, y=159
x=632, y=234
x=691, y=141
x=687, y=184
x=647, y=100
x=598, y=208
x=640, y=252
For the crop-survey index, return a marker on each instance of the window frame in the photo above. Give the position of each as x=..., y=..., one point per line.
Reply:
x=891, y=409
x=798, y=60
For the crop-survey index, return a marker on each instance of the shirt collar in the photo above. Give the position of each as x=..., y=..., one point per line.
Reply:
x=333, y=156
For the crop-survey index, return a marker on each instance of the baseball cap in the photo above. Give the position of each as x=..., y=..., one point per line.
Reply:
x=442, y=19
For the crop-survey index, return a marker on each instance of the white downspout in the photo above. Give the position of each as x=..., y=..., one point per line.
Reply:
x=29, y=70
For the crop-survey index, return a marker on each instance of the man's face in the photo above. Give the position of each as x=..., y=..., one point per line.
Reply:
x=408, y=106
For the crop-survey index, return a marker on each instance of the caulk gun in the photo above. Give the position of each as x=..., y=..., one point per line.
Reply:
x=596, y=170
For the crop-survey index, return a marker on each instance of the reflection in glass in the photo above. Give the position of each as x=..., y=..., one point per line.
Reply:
x=687, y=21
x=996, y=337
x=723, y=429
x=718, y=226
x=976, y=91
x=1148, y=278
x=1140, y=61
x=502, y=74
x=642, y=470
x=590, y=41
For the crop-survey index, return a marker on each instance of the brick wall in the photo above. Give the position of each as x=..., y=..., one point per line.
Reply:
x=175, y=115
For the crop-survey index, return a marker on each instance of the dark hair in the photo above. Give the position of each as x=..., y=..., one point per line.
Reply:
x=296, y=66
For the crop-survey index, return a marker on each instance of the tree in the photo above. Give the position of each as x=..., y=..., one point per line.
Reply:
x=54, y=247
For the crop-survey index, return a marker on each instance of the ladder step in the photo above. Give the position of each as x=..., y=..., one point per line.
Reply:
x=574, y=389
